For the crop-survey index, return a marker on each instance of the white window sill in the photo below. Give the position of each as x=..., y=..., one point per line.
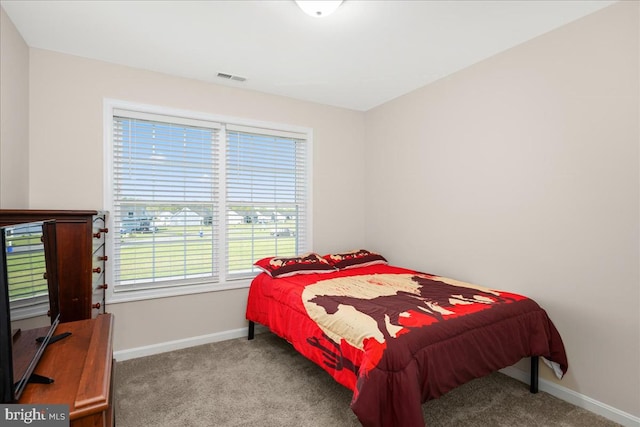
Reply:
x=117, y=297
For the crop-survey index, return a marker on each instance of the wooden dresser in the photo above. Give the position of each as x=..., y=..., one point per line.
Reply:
x=81, y=259
x=82, y=368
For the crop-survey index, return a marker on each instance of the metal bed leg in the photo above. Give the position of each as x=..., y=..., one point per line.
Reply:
x=534, y=375
x=252, y=328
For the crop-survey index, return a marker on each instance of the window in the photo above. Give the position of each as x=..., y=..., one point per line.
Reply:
x=196, y=201
x=265, y=182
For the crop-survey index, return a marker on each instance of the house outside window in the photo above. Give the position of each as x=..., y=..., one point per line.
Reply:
x=195, y=200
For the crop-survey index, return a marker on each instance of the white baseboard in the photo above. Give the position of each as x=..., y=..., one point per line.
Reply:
x=150, y=350
x=577, y=399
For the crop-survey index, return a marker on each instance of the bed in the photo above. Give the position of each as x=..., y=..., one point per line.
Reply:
x=394, y=336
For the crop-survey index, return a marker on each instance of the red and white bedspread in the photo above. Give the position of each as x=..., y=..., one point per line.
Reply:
x=397, y=337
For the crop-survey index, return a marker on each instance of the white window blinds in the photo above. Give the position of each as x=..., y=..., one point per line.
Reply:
x=197, y=201
x=165, y=188
x=266, y=190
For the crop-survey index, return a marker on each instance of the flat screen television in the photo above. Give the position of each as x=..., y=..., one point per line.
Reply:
x=29, y=310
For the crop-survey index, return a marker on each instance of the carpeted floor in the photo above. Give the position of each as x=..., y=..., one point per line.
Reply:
x=265, y=382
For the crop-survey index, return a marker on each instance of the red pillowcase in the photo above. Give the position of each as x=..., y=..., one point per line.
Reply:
x=308, y=263
x=353, y=259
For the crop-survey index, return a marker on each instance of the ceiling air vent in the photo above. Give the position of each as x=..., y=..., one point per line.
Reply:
x=231, y=77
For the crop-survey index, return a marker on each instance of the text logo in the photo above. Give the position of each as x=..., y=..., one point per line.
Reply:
x=34, y=415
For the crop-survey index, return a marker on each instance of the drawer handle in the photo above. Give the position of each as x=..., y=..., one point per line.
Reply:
x=97, y=270
x=100, y=230
x=103, y=258
x=96, y=305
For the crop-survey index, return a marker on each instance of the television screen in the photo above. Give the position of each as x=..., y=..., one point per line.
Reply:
x=28, y=298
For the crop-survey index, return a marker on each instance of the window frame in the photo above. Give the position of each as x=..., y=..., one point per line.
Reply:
x=110, y=106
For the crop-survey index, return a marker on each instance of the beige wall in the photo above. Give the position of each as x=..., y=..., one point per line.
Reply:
x=66, y=134
x=521, y=172
x=14, y=117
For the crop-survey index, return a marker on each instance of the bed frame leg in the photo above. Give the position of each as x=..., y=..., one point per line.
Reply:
x=252, y=329
x=534, y=375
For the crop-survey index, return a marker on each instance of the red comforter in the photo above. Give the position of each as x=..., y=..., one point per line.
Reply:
x=397, y=337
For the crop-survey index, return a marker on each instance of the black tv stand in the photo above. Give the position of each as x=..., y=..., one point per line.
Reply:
x=39, y=379
x=54, y=338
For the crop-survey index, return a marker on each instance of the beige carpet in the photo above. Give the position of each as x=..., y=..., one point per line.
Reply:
x=264, y=382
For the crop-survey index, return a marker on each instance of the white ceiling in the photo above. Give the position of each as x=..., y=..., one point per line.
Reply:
x=366, y=53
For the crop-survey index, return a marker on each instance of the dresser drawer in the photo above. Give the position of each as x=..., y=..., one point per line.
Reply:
x=97, y=302
x=98, y=290
x=98, y=280
x=98, y=261
x=98, y=231
x=98, y=264
x=98, y=257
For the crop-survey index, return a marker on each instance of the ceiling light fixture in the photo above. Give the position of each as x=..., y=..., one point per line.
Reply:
x=318, y=8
